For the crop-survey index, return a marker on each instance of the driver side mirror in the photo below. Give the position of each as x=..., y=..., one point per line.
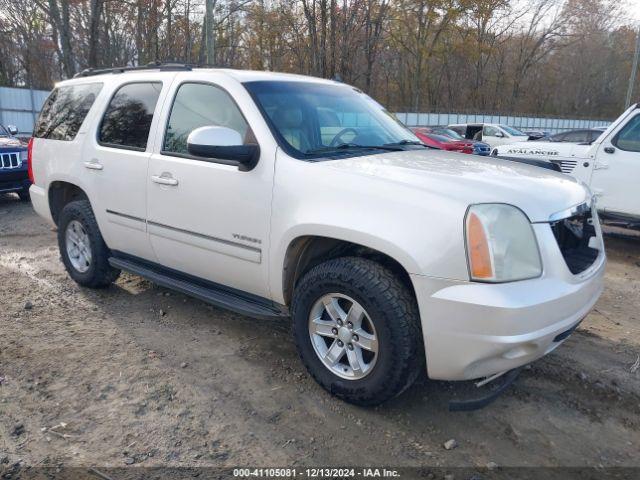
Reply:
x=13, y=130
x=224, y=144
x=499, y=134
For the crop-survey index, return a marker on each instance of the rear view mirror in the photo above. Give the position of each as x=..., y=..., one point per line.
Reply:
x=499, y=134
x=223, y=143
x=13, y=130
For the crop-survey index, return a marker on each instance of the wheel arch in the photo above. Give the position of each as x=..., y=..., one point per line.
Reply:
x=60, y=193
x=306, y=251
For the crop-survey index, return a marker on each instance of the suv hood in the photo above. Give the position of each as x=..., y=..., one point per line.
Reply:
x=10, y=142
x=470, y=179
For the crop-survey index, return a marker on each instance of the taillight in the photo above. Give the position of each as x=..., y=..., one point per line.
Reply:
x=30, y=160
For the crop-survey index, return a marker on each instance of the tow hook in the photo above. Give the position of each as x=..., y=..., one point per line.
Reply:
x=502, y=381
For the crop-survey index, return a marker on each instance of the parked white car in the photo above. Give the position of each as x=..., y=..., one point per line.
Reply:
x=388, y=256
x=493, y=134
x=610, y=165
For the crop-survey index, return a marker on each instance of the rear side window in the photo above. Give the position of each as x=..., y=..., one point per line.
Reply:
x=579, y=136
x=65, y=110
x=127, y=120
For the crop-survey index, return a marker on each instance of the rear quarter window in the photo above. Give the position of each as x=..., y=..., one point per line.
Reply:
x=64, y=111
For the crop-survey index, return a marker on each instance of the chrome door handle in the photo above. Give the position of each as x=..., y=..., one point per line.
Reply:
x=164, y=179
x=93, y=165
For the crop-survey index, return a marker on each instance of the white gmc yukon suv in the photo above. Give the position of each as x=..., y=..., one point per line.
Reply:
x=283, y=195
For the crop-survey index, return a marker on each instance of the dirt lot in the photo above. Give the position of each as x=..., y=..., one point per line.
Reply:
x=136, y=375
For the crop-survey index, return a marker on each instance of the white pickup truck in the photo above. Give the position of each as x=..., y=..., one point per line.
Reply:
x=610, y=165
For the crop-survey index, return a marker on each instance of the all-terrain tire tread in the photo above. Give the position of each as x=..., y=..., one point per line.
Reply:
x=103, y=274
x=384, y=287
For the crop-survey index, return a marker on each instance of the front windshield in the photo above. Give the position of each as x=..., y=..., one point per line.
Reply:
x=314, y=119
x=3, y=132
x=440, y=138
x=513, y=131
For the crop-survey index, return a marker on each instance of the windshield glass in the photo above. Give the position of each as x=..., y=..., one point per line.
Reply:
x=447, y=132
x=440, y=138
x=315, y=120
x=3, y=132
x=513, y=131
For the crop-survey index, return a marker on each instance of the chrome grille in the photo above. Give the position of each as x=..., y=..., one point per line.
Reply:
x=574, y=234
x=10, y=160
x=566, y=166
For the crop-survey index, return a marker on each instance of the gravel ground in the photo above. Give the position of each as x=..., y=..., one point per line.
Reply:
x=135, y=375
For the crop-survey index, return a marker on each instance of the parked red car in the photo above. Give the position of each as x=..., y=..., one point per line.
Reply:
x=442, y=142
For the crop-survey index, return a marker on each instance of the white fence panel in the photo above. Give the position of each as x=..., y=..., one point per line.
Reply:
x=552, y=125
x=20, y=107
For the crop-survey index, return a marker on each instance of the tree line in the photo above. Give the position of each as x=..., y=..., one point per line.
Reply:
x=539, y=57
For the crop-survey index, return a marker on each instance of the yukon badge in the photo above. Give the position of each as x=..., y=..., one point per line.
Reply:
x=237, y=236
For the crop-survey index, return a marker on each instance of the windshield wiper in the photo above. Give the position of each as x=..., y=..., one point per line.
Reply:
x=410, y=142
x=405, y=142
x=355, y=146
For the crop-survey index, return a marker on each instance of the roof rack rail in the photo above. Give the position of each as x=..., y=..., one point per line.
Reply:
x=89, y=72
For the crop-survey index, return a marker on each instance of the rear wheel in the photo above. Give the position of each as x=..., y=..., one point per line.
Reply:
x=357, y=330
x=82, y=248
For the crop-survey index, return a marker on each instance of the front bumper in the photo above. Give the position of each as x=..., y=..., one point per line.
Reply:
x=473, y=330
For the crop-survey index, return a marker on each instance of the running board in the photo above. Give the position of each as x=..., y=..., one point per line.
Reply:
x=206, y=291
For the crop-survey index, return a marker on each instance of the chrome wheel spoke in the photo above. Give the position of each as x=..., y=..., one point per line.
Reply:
x=356, y=361
x=73, y=236
x=322, y=327
x=355, y=315
x=366, y=340
x=333, y=309
x=334, y=354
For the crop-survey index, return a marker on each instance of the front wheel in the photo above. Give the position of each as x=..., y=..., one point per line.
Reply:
x=82, y=248
x=357, y=330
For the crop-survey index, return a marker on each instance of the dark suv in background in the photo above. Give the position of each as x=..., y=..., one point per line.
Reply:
x=13, y=164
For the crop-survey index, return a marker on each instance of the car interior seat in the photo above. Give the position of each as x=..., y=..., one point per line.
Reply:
x=290, y=121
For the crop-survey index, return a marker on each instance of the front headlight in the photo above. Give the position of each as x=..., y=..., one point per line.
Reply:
x=23, y=156
x=501, y=245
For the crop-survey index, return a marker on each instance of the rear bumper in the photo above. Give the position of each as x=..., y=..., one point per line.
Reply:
x=40, y=202
x=473, y=330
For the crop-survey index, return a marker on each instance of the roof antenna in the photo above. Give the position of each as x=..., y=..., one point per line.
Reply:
x=337, y=78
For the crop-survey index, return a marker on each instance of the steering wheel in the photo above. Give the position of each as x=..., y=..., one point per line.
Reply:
x=342, y=132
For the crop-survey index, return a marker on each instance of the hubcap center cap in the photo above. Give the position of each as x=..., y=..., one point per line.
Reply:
x=344, y=334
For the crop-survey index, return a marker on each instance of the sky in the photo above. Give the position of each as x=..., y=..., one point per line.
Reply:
x=634, y=10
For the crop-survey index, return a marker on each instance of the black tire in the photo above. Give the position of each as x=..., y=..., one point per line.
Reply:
x=24, y=195
x=100, y=274
x=389, y=305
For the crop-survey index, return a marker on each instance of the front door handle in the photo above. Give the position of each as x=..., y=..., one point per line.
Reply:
x=93, y=165
x=165, y=179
